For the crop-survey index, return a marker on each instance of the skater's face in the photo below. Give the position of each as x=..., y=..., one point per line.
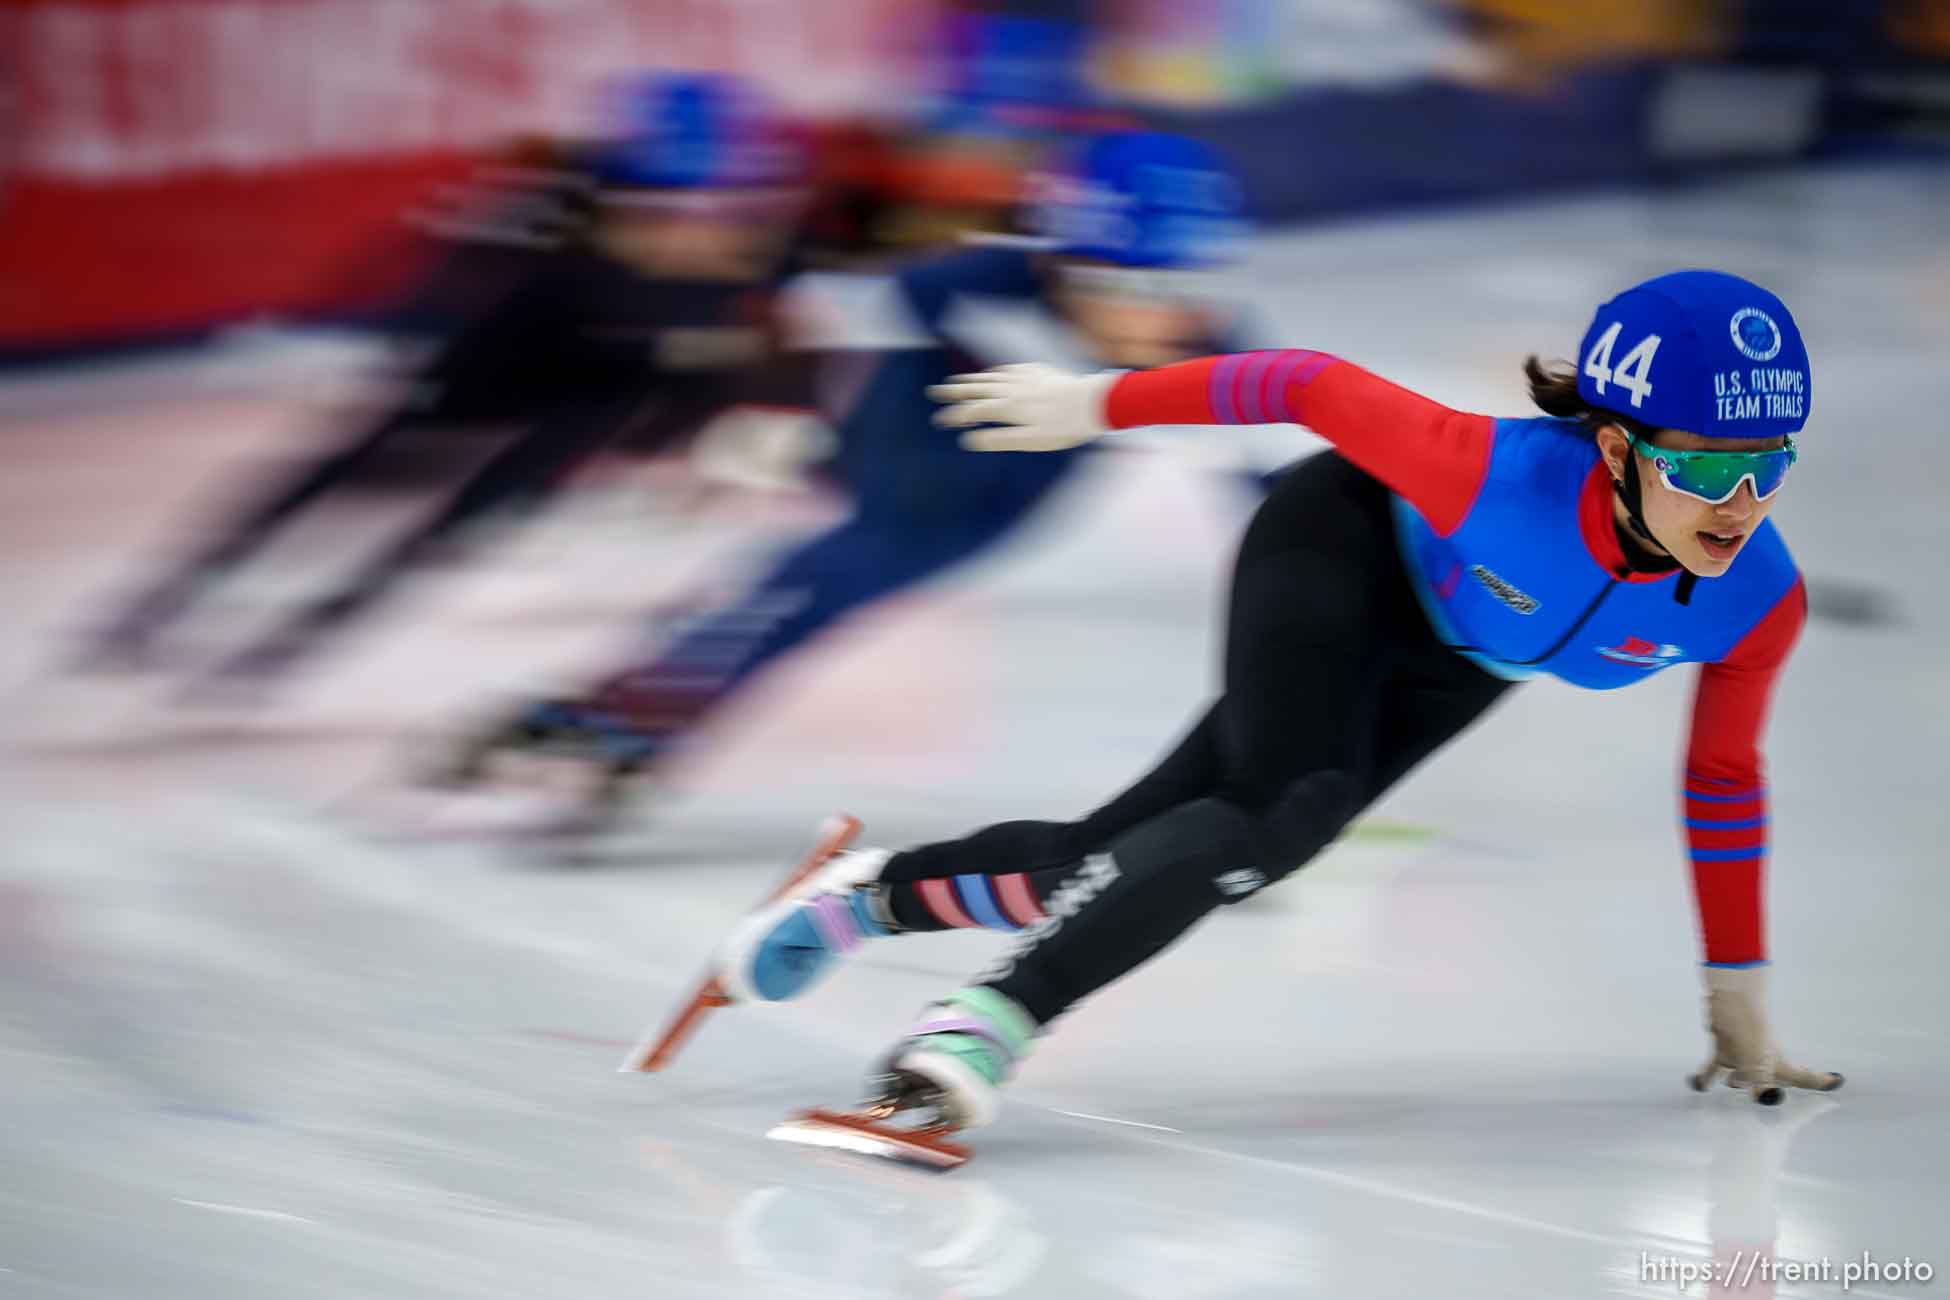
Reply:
x=698, y=235
x=1704, y=537
x=1137, y=318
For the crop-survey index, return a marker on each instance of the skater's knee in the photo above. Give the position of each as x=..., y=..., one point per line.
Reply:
x=1240, y=849
x=1209, y=849
x=1306, y=817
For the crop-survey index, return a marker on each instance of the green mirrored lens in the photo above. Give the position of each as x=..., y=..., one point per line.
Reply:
x=1713, y=476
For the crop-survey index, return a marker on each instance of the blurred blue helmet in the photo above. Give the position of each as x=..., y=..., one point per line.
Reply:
x=689, y=131
x=1140, y=198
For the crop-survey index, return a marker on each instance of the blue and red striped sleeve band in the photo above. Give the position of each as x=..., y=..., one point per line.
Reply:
x=1726, y=837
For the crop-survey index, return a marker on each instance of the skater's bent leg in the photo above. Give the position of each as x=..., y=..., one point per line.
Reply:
x=1122, y=907
x=987, y=893
x=1114, y=911
x=1311, y=624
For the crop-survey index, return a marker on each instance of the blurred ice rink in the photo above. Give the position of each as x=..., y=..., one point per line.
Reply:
x=250, y=1048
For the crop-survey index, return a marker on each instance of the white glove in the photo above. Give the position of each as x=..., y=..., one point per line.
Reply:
x=1743, y=1048
x=1039, y=407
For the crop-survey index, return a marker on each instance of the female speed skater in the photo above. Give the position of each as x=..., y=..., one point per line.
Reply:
x=1387, y=592
x=1130, y=228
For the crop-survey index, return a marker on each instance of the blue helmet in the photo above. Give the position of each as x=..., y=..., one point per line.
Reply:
x=1140, y=198
x=1702, y=351
x=686, y=131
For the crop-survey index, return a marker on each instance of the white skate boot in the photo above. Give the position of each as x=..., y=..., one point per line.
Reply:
x=785, y=947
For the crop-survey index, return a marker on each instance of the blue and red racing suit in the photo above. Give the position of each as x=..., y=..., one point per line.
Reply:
x=1506, y=531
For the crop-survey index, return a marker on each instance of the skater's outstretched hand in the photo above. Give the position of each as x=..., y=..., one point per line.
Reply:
x=1031, y=406
x=1743, y=1046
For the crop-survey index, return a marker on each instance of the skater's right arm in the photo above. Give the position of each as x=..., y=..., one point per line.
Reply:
x=1434, y=457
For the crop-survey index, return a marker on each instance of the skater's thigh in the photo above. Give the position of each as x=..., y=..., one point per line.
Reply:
x=1307, y=627
x=1424, y=708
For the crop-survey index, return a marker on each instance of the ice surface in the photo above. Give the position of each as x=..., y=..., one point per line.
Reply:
x=248, y=1048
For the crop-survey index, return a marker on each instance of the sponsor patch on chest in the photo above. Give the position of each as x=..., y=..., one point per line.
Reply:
x=1520, y=601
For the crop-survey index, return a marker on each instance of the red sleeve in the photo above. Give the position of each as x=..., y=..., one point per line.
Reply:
x=1433, y=456
x=1726, y=789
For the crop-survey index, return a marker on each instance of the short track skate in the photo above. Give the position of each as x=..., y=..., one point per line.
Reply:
x=909, y=1122
x=656, y=1052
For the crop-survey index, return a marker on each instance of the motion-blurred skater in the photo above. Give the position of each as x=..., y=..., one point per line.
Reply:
x=1131, y=232
x=645, y=305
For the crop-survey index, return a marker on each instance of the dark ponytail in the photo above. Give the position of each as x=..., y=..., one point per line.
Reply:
x=1554, y=388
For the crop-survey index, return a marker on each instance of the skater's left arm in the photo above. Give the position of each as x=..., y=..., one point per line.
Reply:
x=1725, y=791
x=1726, y=828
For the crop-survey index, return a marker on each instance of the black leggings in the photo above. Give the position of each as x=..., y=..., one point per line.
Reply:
x=1335, y=687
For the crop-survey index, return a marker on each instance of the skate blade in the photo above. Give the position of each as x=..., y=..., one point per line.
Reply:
x=654, y=1053
x=927, y=1147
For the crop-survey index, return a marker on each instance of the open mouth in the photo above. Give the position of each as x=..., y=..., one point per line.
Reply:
x=1721, y=546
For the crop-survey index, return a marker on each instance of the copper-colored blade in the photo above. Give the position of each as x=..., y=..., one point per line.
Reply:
x=655, y=1053
x=849, y=1131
